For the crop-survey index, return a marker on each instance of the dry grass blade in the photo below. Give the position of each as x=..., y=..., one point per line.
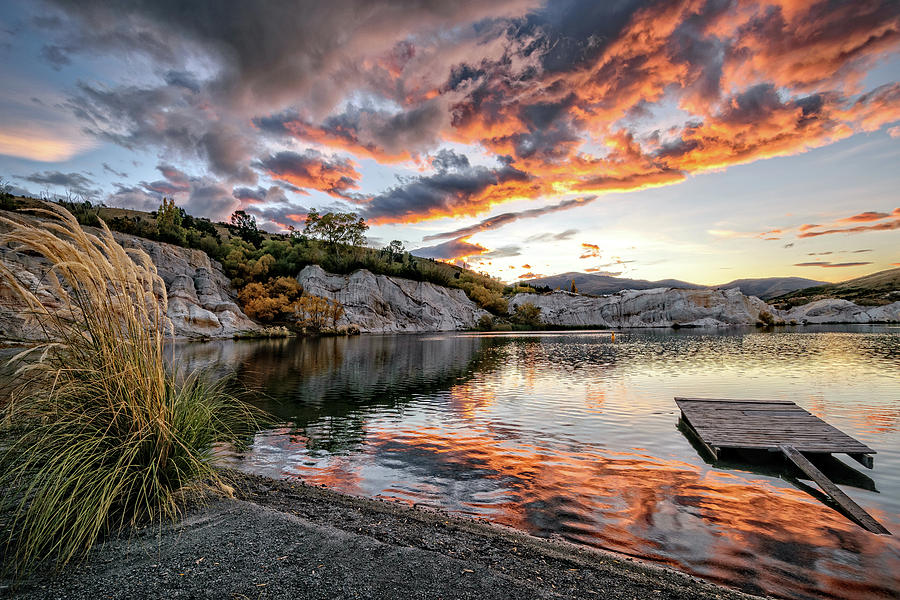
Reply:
x=100, y=434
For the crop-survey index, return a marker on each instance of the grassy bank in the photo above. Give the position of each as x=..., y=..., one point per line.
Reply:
x=98, y=432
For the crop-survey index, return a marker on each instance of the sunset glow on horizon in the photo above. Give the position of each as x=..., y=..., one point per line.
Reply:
x=699, y=140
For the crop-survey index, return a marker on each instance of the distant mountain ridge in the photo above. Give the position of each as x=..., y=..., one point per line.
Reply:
x=599, y=285
x=770, y=287
x=876, y=289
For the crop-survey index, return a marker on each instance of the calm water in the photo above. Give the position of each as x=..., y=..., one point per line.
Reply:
x=574, y=434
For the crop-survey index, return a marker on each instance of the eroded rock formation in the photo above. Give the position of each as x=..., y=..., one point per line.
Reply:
x=383, y=304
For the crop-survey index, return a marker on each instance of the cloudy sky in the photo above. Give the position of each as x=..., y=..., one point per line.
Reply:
x=703, y=140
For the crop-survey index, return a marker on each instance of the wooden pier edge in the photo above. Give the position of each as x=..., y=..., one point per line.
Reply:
x=833, y=491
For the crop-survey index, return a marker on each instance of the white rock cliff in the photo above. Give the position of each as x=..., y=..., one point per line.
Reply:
x=201, y=299
x=832, y=310
x=665, y=307
x=659, y=307
x=383, y=304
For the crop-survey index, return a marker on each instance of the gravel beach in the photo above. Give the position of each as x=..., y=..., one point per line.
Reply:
x=281, y=539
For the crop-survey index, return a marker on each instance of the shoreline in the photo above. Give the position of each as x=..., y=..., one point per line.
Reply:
x=286, y=539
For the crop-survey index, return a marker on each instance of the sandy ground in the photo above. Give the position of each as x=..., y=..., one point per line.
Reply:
x=279, y=539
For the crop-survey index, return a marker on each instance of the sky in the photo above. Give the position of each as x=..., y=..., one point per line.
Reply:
x=703, y=140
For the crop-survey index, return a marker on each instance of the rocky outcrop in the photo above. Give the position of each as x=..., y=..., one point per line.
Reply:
x=831, y=310
x=201, y=299
x=383, y=304
x=667, y=307
x=660, y=307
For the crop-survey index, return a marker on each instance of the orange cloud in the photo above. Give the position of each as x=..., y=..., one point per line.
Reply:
x=452, y=251
x=864, y=217
x=312, y=170
x=889, y=226
x=760, y=80
x=589, y=250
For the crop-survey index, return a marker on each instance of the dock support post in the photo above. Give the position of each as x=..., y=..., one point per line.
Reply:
x=833, y=491
x=866, y=460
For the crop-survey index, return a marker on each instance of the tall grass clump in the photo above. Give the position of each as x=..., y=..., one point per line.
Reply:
x=98, y=434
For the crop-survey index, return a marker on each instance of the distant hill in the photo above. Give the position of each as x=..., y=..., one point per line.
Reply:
x=770, y=287
x=598, y=285
x=873, y=290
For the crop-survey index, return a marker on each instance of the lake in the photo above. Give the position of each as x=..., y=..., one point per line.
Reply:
x=574, y=434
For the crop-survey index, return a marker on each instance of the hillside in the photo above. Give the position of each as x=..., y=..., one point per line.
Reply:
x=598, y=285
x=770, y=287
x=876, y=289
x=263, y=266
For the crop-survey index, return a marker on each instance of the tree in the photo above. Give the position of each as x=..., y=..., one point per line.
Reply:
x=246, y=227
x=276, y=300
x=527, y=314
x=336, y=229
x=168, y=223
x=574, y=289
x=317, y=313
x=395, y=250
x=7, y=200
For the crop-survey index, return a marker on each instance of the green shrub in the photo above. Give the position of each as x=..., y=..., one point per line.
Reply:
x=527, y=314
x=100, y=434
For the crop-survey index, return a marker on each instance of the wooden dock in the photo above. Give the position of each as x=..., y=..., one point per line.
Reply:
x=777, y=426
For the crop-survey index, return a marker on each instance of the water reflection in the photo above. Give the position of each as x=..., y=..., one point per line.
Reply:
x=575, y=435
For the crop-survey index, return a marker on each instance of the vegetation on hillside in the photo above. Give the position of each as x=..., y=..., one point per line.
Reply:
x=99, y=432
x=252, y=256
x=876, y=289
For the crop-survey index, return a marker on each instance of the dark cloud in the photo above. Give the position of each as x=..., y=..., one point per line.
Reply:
x=553, y=237
x=109, y=169
x=502, y=252
x=506, y=218
x=55, y=56
x=279, y=216
x=271, y=53
x=455, y=189
x=830, y=264
x=457, y=249
x=387, y=136
x=528, y=81
x=312, y=170
x=170, y=117
x=199, y=196
x=75, y=183
x=272, y=206
x=133, y=197
x=183, y=79
x=210, y=199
